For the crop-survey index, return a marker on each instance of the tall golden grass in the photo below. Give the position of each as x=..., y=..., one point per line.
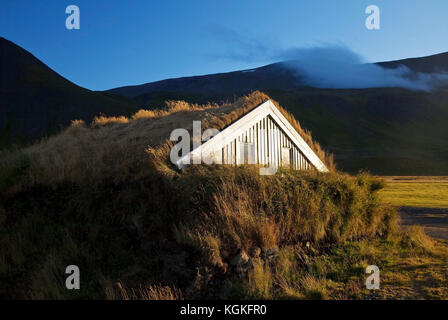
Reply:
x=153, y=292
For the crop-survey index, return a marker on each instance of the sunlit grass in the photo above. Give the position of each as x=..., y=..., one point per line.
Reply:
x=416, y=194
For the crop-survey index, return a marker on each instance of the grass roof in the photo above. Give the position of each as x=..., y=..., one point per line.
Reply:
x=117, y=146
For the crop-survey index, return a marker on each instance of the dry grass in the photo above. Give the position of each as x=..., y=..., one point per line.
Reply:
x=415, y=238
x=314, y=289
x=103, y=120
x=147, y=293
x=115, y=147
x=171, y=108
x=260, y=280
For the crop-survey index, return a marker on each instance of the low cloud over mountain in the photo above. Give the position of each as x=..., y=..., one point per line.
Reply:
x=328, y=66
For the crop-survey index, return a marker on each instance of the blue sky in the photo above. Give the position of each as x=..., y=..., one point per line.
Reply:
x=132, y=42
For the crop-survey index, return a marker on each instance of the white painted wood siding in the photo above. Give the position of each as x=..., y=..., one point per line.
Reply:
x=267, y=147
x=268, y=132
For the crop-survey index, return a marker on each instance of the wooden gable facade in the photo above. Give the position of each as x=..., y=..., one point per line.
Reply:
x=264, y=137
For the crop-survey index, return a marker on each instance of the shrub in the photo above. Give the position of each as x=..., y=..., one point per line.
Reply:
x=415, y=238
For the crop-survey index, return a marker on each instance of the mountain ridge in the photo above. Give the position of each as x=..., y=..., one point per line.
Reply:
x=36, y=101
x=427, y=64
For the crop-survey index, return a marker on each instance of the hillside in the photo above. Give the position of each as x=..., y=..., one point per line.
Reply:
x=36, y=101
x=429, y=64
x=384, y=130
x=214, y=87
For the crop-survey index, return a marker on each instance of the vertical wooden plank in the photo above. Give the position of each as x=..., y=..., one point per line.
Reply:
x=238, y=154
x=231, y=153
x=294, y=162
x=302, y=164
x=280, y=134
x=274, y=125
x=297, y=158
x=268, y=136
x=260, y=141
x=254, y=131
x=274, y=153
x=275, y=144
x=292, y=158
x=222, y=155
x=257, y=158
x=234, y=152
x=283, y=139
x=279, y=147
x=263, y=133
x=270, y=143
x=265, y=136
x=256, y=142
x=265, y=140
x=268, y=132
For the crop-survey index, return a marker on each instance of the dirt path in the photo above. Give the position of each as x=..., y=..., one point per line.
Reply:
x=435, y=221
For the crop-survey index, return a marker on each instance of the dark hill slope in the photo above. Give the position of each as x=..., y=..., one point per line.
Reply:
x=35, y=100
x=387, y=131
x=429, y=64
x=218, y=86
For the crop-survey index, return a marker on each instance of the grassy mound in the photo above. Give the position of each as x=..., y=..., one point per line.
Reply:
x=105, y=198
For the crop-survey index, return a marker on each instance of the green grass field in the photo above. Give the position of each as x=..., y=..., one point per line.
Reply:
x=426, y=192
